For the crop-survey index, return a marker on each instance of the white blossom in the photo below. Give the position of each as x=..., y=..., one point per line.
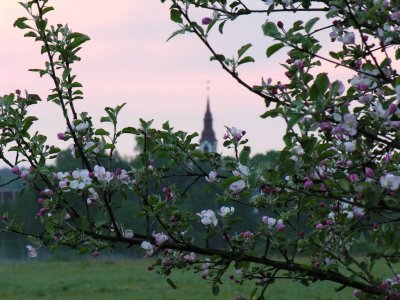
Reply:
x=82, y=126
x=212, y=177
x=32, y=251
x=237, y=186
x=208, y=217
x=160, y=238
x=225, y=211
x=241, y=171
x=390, y=181
x=149, y=247
x=347, y=38
x=350, y=146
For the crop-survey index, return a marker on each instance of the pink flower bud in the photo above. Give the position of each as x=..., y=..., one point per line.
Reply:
x=357, y=293
x=369, y=172
x=95, y=253
x=18, y=92
x=15, y=170
x=319, y=226
x=41, y=212
x=325, y=126
x=4, y=217
x=280, y=227
x=41, y=201
x=329, y=222
x=61, y=136
x=266, y=189
x=206, y=21
x=24, y=174
x=308, y=183
x=288, y=74
x=166, y=190
x=279, y=24
x=392, y=108
x=118, y=171
x=385, y=284
x=298, y=63
x=353, y=177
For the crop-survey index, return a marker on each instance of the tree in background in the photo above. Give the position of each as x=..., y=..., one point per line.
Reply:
x=331, y=191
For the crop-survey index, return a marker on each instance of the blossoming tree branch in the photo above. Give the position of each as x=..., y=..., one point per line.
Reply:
x=330, y=202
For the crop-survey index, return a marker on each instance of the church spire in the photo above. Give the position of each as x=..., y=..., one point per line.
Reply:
x=208, y=142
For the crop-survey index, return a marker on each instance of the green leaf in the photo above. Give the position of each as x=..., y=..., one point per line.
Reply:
x=270, y=29
x=171, y=283
x=105, y=120
x=47, y=9
x=20, y=23
x=219, y=57
x=334, y=55
x=228, y=181
x=215, y=290
x=309, y=25
x=78, y=40
x=322, y=82
x=272, y=113
x=397, y=54
x=243, y=49
x=101, y=131
x=314, y=93
x=180, y=31
x=245, y=155
x=253, y=293
x=41, y=24
x=245, y=60
x=129, y=130
x=30, y=34
x=344, y=184
x=294, y=118
x=274, y=48
x=176, y=16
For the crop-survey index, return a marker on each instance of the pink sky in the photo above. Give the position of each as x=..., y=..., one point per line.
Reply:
x=128, y=60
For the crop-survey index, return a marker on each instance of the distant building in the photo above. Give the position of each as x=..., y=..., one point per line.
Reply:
x=8, y=195
x=208, y=142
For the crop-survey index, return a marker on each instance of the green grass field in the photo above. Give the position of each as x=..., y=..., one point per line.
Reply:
x=101, y=280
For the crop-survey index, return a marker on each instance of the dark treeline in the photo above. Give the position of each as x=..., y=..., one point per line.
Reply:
x=198, y=197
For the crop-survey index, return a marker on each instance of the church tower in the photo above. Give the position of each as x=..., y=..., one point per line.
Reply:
x=208, y=142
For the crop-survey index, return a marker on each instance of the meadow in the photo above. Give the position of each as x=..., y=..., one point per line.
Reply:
x=123, y=280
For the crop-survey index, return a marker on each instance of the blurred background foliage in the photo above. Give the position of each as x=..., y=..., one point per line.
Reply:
x=199, y=197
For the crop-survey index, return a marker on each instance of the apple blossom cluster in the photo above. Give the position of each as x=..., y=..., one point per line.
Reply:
x=23, y=174
x=273, y=224
x=392, y=286
x=237, y=186
x=234, y=133
x=32, y=251
x=81, y=179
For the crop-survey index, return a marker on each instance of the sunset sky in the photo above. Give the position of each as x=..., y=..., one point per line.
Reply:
x=129, y=60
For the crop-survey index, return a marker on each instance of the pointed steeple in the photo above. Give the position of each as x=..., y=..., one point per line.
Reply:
x=208, y=142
